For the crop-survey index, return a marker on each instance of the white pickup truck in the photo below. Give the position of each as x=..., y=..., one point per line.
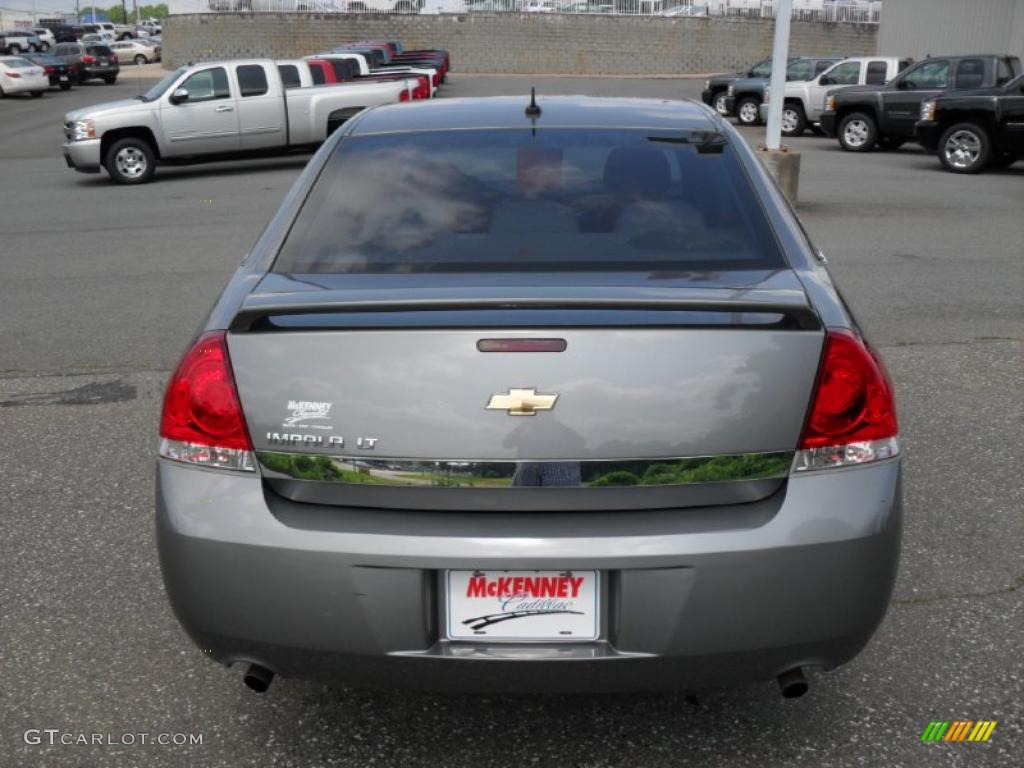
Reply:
x=213, y=111
x=805, y=99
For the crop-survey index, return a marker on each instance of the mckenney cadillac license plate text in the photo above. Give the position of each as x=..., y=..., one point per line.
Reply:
x=523, y=605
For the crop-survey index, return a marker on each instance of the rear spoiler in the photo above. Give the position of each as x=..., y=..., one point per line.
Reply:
x=537, y=307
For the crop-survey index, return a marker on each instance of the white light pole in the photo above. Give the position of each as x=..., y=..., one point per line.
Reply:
x=777, y=87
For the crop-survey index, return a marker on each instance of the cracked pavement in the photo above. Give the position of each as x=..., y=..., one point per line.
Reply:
x=102, y=286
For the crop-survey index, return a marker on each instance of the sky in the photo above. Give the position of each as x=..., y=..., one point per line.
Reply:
x=47, y=5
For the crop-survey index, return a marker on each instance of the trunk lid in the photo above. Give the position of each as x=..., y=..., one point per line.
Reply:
x=647, y=376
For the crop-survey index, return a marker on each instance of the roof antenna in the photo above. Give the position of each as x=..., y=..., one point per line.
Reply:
x=532, y=110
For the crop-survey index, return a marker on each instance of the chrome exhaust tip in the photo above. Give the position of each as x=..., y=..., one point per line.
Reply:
x=793, y=683
x=258, y=678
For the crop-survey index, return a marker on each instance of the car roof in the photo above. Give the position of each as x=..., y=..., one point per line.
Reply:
x=556, y=112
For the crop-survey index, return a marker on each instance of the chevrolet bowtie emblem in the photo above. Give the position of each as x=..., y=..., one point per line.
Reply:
x=521, y=402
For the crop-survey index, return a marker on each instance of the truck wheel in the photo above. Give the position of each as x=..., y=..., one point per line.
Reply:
x=130, y=161
x=857, y=132
x=891, y=142
x=718, y=102
x=794, y=121
x=964, y=148
x=14, y=49
x=748, y=110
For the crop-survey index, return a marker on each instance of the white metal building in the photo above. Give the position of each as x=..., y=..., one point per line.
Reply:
x=921, y=27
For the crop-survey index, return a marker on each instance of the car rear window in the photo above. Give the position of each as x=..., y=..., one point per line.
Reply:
x=99, y=50
x=514, y=200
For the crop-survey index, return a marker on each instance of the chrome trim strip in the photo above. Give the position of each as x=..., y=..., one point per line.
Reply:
x=491, y=475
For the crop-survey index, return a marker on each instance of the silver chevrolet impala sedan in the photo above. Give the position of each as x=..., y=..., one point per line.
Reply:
x=531, y=396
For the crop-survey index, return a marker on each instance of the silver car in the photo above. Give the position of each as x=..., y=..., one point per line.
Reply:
x=528, y=396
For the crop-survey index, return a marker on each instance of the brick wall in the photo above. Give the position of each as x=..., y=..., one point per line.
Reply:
x=538, y=43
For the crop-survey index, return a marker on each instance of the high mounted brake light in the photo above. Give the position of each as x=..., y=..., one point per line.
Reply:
x=852, y=419
x=202, y=421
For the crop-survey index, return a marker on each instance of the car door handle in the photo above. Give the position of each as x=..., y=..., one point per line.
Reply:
x=224, y=109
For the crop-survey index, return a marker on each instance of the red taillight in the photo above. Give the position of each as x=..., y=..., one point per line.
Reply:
x=113, y=57
x=87, y=59
x=11, y=74
x=853, y=411
x=404, y=95
x=422, y=88
x=437, y=78
x=49, y=70
x=202, y=419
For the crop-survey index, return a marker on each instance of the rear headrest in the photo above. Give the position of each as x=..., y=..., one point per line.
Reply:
x=637, y=171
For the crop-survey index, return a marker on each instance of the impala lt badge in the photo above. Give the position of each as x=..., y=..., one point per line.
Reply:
x=521, y=402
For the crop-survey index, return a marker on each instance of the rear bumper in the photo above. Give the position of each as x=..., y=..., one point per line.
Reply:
x=690, y=598
x=90, y=71
x=927, y=133
x=83, y=155
x=828, y=123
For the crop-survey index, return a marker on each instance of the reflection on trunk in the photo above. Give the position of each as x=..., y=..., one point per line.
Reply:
x=483, y=475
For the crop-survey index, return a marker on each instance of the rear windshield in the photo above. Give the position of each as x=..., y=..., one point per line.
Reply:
x=99, y=50
x=512, y=201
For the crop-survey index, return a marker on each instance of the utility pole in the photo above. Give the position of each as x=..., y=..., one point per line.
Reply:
x=124, y=13
x=781, y=163
x=780, y=58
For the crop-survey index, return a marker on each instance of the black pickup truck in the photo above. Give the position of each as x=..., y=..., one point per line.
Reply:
x=972, y=129
x=866, y=115
x=716, y=86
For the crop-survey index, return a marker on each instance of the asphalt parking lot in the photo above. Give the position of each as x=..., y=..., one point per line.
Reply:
x=102, y=286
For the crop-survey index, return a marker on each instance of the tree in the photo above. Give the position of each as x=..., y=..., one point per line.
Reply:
x=158, y=11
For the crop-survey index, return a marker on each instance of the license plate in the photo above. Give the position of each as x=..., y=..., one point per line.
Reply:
x=524, y=606
x=103, y=61
x=63, y=78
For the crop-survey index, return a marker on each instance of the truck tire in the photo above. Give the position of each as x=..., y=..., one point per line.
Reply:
x=748, y=110
x=130, y=161
x=14, y=49
x=718, y=102
x=857, y=132
x=964, y=148
x=794, y=121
